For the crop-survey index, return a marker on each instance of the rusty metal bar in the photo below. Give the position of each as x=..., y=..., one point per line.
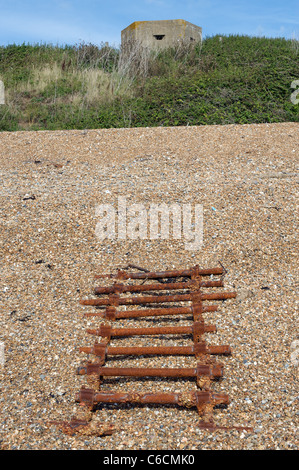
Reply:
x=191, y=399
x=115, y=299
x=161, y=280
x=121, y=274
x=120, y=288
x=197, y=328
x=95, y=368
x=110, y=313
x=102, y=350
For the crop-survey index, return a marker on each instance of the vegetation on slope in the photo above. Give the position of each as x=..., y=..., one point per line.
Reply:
x=225, y=80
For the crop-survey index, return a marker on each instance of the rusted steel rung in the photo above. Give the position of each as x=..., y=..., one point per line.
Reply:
x=196, y=398
x=120, y=288
x=195, y=271
x=111, y=314
x=102, y=350
x=95, y=368
x=196, y=330
x=115, y=299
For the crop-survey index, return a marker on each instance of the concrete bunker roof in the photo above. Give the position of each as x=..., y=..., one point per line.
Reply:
x=137, y=24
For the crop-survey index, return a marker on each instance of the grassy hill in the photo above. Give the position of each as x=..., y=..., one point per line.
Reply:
x=225, y=80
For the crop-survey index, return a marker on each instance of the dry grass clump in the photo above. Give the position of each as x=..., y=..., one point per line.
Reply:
x=89, y=85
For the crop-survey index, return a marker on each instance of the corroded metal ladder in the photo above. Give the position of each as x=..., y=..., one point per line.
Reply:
x=143, y=288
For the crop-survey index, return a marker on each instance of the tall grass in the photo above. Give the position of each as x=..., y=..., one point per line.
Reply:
x=93, y=85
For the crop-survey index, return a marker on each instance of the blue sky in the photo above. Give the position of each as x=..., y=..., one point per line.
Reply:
x=97, y=21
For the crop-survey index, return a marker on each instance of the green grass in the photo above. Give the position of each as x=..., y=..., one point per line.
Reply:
x=225, y=80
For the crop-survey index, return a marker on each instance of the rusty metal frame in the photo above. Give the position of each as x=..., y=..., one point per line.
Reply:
x=111, y=298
